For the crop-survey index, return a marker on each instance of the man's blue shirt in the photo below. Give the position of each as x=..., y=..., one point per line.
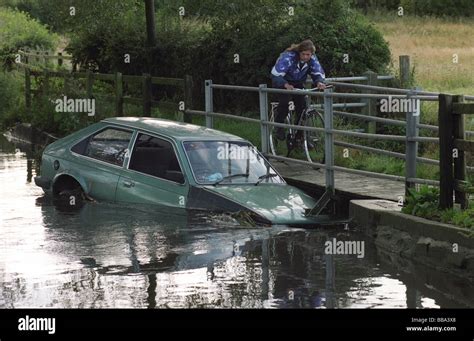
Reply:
x=289, y=69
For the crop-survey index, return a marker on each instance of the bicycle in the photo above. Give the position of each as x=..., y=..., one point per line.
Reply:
x=308, y=140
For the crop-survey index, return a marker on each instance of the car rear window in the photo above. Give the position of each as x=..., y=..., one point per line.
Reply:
x=109, y=145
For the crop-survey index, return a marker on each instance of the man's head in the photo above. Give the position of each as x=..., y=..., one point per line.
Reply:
x=306, y=49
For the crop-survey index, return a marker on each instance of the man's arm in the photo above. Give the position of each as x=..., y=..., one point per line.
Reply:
x=316, y=71
x=280, y=69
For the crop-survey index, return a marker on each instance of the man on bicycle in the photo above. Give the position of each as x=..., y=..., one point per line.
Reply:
x=290, y=72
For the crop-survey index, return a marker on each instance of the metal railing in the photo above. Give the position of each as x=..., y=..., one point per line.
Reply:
x=412, y=124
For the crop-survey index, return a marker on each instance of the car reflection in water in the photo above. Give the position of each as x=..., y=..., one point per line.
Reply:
x=184, y=255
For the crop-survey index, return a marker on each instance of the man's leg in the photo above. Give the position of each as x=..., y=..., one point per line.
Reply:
x=281, y=113
x=300, y=105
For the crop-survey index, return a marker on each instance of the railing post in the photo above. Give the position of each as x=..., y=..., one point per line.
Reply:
x=188, y=97
x=146, y=95
x=405, y=77
x=371, y=104
x=263, y=99
x=118, y=94
x=328, y=140
x=209, y=102
x=445, y=124
x=459, y=156
x=411, y=147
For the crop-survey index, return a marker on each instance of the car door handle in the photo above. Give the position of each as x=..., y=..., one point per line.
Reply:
x=128, y=183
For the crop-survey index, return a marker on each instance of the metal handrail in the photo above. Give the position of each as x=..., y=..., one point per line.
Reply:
x=371, y=118
x=412, y=125
x=383, y=88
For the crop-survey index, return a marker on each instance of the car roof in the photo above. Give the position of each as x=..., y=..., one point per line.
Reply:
x=175, y=130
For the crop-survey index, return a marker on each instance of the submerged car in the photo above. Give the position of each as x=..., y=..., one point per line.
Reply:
x=143, y=160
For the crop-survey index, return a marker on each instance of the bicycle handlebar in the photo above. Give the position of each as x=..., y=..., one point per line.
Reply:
x=328, y=86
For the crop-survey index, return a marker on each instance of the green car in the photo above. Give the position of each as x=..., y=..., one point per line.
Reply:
x=143, y=160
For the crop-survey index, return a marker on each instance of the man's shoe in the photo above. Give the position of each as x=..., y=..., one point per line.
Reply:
x=280, y=133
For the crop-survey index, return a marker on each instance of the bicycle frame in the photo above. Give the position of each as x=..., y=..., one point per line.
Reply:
x=296, y=137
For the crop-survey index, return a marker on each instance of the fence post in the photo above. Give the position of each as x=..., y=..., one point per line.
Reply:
x=328, y=140
x=28, y=90
x=371, y=104
x=118, y=94
x=27, y=51
x=459, y=158
x=60, y=59
x=411, y=147
x=263, y=99
x=146, y=95
x=405, y=77
x=445, y=124
x=89, y=83
x=209, y=106
x=46, y=83
x=66, y=83
x=188, y=97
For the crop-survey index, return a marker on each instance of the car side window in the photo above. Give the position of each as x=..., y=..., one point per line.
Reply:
x=154, y=156
x=109, y=145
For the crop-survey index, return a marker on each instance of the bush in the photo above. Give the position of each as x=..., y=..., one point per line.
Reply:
x=49, y=13
x=18, y=30
x=208, y=42
x=11, y=98
x=423, y=203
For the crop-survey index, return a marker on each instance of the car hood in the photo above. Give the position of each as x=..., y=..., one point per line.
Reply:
x=281, y=204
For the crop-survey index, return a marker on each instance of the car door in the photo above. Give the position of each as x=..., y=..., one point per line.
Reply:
x=154, y=174
x=100, y=160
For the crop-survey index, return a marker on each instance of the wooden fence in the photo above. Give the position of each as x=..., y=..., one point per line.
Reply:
x=119, y=98
x=452, y=147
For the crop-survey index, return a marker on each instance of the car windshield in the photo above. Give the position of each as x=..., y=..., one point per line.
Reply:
x=224, y=162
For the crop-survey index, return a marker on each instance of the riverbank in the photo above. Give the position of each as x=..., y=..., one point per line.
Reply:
x=442, y=246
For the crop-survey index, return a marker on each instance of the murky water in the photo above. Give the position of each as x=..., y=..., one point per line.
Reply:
x=108, y=255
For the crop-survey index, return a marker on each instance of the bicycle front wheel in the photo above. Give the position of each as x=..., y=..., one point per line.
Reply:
x=279, y=147
x=314, y=140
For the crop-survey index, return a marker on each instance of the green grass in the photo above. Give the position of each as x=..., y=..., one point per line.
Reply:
x=424, y=203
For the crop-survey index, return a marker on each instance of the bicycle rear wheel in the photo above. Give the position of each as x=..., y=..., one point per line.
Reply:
x=279, y=147
x=314, y=140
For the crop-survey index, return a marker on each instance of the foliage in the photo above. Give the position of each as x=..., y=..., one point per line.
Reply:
x=455, y=8
x=206, y=43
x=18, y=30
x=11, y=98
x=425, y=204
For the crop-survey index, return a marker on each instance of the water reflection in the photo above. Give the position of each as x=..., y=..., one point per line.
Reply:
x=107, y=255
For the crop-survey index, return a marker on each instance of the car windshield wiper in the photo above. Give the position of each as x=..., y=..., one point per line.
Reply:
x=265, y=176
x=230, y=177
